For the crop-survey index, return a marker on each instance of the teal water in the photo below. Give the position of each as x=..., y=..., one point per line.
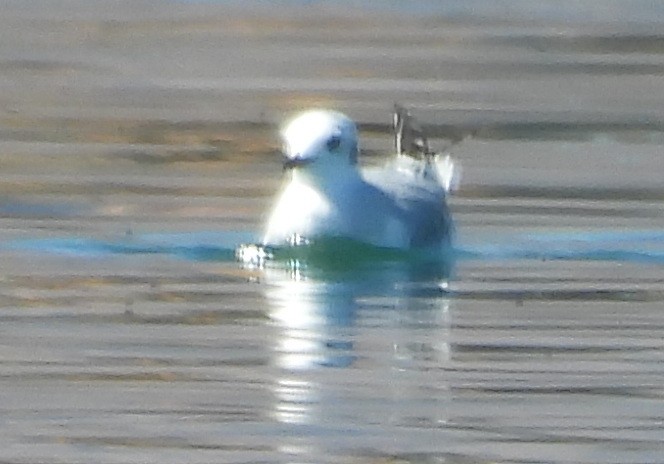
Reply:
x=645, y=246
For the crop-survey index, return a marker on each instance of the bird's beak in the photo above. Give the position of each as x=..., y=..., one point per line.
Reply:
x=292, y=162
x=295, y=162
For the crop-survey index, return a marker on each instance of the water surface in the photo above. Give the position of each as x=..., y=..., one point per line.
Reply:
x=138, y=149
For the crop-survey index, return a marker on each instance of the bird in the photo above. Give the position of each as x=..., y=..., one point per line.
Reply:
x=327, y=194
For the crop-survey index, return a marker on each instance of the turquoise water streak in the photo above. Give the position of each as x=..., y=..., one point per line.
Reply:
x=645, y=246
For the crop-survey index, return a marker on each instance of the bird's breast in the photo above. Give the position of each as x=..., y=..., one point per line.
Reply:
x=300, y=210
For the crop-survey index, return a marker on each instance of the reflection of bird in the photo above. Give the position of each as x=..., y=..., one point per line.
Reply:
x=401, y=205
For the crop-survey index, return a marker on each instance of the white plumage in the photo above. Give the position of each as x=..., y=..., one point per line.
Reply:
x=400, y=205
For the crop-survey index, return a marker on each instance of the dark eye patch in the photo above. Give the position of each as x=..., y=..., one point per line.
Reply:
x=333, y=142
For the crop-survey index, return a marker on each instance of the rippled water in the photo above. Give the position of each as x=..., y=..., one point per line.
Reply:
x=137, y=150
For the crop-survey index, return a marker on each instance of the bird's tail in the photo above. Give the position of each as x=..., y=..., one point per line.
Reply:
x=409, y=139
x=448, y=172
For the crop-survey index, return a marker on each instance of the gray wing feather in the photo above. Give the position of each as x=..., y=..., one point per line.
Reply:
x=419, y=202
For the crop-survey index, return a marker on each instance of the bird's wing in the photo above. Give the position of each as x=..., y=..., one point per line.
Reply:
x=418, y=201
x=409, y=138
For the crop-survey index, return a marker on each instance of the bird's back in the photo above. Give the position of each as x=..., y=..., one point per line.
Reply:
x=417, y=198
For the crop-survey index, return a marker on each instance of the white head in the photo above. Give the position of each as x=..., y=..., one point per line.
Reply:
x=319, y=142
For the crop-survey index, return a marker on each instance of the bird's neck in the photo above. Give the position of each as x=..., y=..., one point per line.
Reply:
x=326, y=184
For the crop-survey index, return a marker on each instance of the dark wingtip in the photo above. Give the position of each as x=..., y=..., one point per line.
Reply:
x=409, y=137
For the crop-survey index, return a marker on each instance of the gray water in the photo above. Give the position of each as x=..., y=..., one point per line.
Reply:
x=138, y=148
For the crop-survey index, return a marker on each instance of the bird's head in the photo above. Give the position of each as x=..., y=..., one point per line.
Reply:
x=318, y=142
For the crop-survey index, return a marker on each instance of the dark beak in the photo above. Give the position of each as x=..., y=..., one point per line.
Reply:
x=294, y=162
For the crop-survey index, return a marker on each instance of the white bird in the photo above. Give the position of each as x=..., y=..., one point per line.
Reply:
x=401, y=205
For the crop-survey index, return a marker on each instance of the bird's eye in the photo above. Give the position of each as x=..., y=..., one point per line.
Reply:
x=333, y=142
